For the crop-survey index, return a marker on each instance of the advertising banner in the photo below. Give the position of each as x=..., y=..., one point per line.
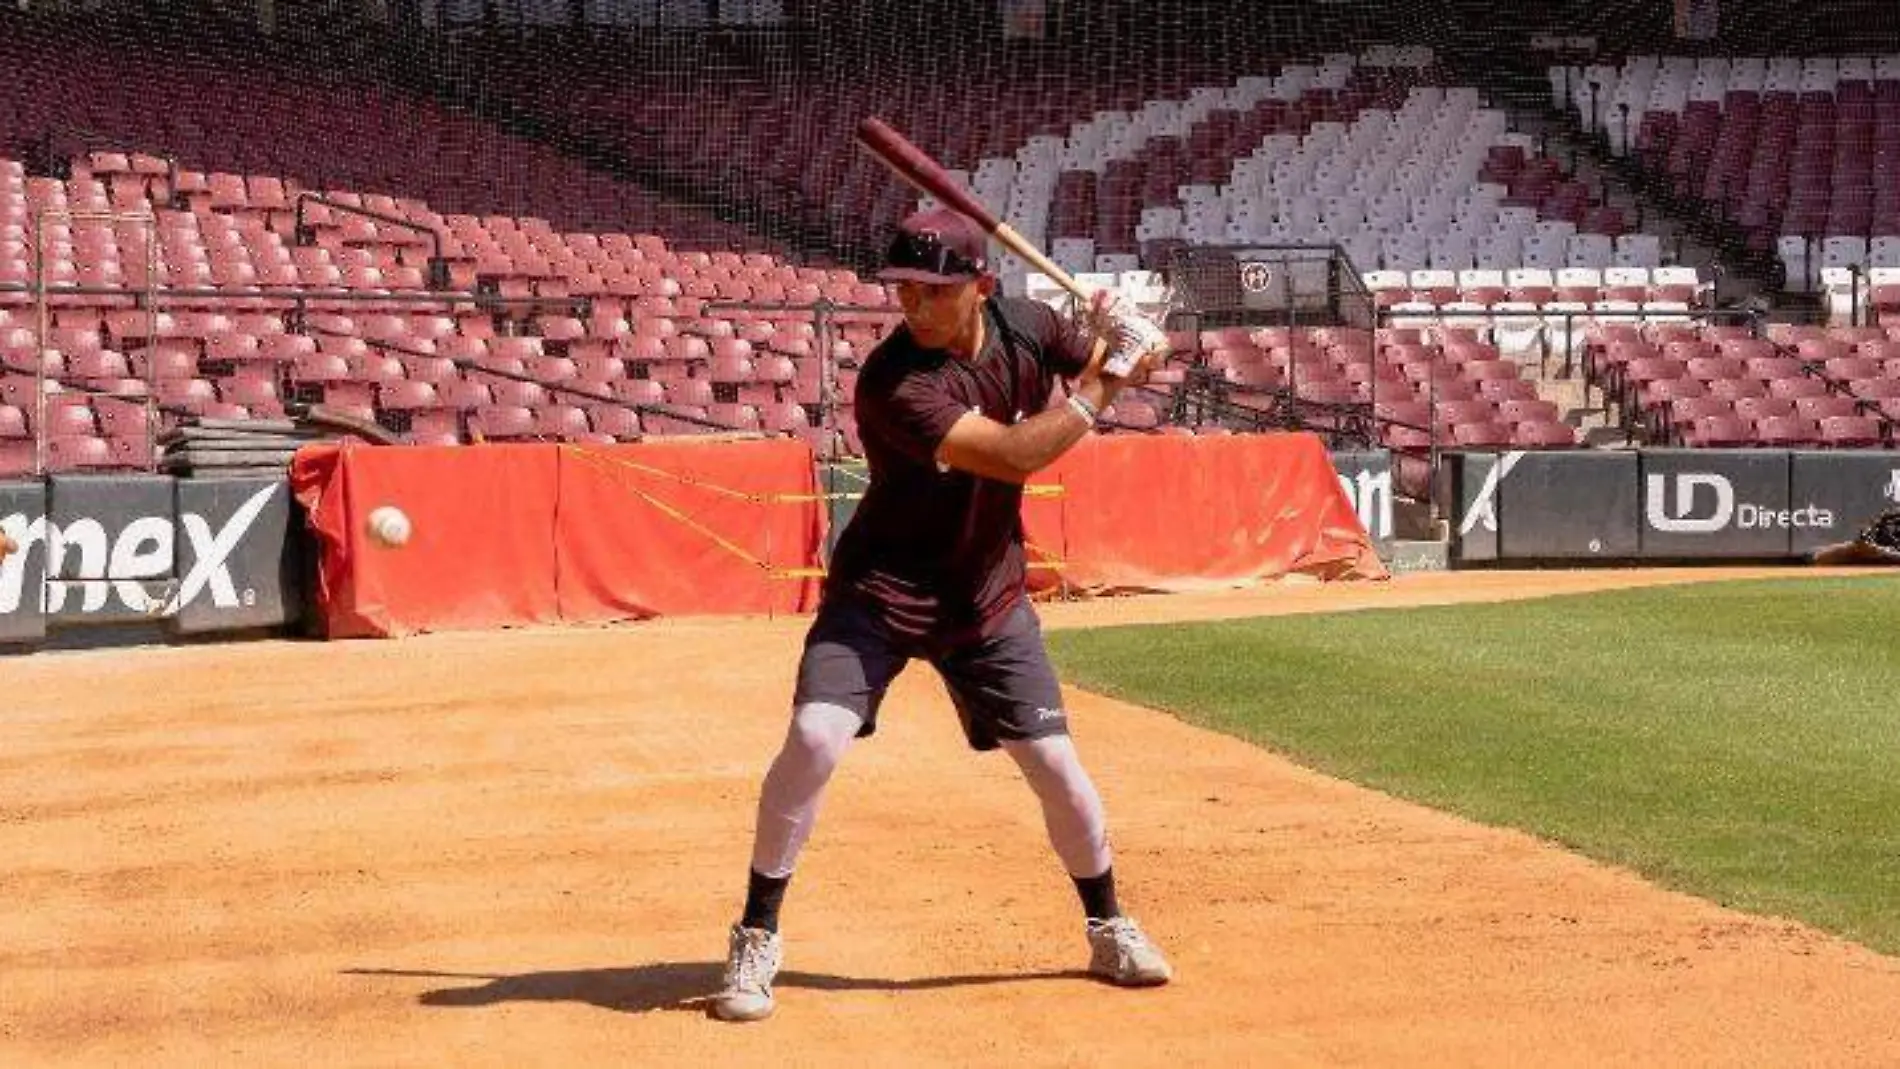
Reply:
x=1469, y=483
x=1568, y=506
x=198, y=554
x=241, y=557
x=112, y=548
x=1841, y=493
x=23, y=572
x=1662, y=504
x=1700, y=503
x=1366, y=476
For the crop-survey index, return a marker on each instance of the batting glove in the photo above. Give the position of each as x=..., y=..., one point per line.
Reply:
x=1135, y=336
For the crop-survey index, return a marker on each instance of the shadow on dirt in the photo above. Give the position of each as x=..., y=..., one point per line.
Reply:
x=667, y=985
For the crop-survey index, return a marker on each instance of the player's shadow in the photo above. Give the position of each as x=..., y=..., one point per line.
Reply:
x=667, y=985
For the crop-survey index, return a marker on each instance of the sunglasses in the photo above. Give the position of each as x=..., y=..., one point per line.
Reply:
x=927, y=252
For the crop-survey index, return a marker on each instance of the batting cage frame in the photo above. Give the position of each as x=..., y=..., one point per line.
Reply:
x=1265, y=285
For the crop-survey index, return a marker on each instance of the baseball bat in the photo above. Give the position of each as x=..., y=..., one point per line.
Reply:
x=928, y=177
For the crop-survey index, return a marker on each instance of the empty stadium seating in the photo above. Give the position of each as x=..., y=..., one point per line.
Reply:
x=1402, y=175
x=1365, y=151
x=1798, y=152
x=348, y=320
x=245, y=133
x=596, y=333
x=780, y=140
x=1722, y=386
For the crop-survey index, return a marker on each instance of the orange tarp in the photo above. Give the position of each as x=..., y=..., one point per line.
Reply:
x=505, y=535
x=668, y=529
x=482, y=549
x=1167, y=512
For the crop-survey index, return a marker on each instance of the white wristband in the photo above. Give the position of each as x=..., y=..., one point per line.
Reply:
x=1083, y=408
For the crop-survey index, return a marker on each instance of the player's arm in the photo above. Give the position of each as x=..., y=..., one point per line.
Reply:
x=1012, y=453
x=984, y=447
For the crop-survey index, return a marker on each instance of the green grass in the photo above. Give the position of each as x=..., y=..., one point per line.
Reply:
x=1739, y=741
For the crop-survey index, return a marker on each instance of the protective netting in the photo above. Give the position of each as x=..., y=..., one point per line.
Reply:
x=550, y=219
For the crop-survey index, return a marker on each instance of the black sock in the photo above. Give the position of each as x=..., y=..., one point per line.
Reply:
x=1098, y=895
x=762, y=897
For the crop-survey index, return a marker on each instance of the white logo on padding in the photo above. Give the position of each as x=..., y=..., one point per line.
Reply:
x=1692, y=516
x=142, y=548
x=1681, y=521
x=1484, y=507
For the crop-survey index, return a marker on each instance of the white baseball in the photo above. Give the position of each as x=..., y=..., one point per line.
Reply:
x=389, y=525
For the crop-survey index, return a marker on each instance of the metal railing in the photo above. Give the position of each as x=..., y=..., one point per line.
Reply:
x=469, y=365
x=152, y=299
x=301, y=299
x=1817, y=370
x=1573, y=328
x=305, y=234
x=1256, y=270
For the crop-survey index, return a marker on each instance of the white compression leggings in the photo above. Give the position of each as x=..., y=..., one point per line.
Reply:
x=788, y=803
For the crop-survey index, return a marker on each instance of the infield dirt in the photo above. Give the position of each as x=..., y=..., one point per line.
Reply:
x=521, y=848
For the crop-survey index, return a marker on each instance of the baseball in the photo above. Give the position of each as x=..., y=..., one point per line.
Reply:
x=389, y=525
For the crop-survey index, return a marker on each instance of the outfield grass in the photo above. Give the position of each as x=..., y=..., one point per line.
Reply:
x=1740, y=741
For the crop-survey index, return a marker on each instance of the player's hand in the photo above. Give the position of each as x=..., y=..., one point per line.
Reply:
x=1136, y=348
x=1145, y=365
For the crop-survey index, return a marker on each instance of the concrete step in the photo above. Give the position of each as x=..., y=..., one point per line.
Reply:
x=1402, y=558
x=1582, y=408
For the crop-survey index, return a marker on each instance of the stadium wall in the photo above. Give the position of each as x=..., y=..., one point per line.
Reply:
x=184, y=556
x=1662, y=504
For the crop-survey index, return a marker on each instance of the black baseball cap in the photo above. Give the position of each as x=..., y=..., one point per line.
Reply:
x=937, y=246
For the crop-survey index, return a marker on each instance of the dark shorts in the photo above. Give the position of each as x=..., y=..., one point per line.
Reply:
x=1004, y=687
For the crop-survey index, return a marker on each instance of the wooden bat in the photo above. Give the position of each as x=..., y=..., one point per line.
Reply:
x=928, y=177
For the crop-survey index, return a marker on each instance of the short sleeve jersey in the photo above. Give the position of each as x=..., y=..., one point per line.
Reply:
x=936, y=552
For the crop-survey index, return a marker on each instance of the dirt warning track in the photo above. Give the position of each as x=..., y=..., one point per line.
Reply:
x=523, y=849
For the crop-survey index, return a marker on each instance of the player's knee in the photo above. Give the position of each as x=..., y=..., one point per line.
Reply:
x=819, y=733
x=1050, y=752
x=1050, y=765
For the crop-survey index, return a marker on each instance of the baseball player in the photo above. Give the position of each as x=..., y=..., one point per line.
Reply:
x=951, y=410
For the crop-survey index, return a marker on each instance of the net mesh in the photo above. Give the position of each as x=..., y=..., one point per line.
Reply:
x=594, y=220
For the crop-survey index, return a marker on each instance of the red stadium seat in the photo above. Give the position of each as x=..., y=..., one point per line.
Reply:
x=622, y=423
x=1758, y=409
x=1825, y=407
x=1529, y=411
x=502, y=422
x=1786, y=431
x=1544, y=434
x=406, y=396
x=1850, y=432
x=79, y=452
x=696, y=393
x=1720, y=432
x=737, y=417
x=1487, y=434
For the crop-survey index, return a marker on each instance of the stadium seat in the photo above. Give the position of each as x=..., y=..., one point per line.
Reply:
x=1846, y=431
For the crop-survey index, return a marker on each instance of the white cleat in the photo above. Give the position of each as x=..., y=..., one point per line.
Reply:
x=752, y=963
x=1122, y=955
